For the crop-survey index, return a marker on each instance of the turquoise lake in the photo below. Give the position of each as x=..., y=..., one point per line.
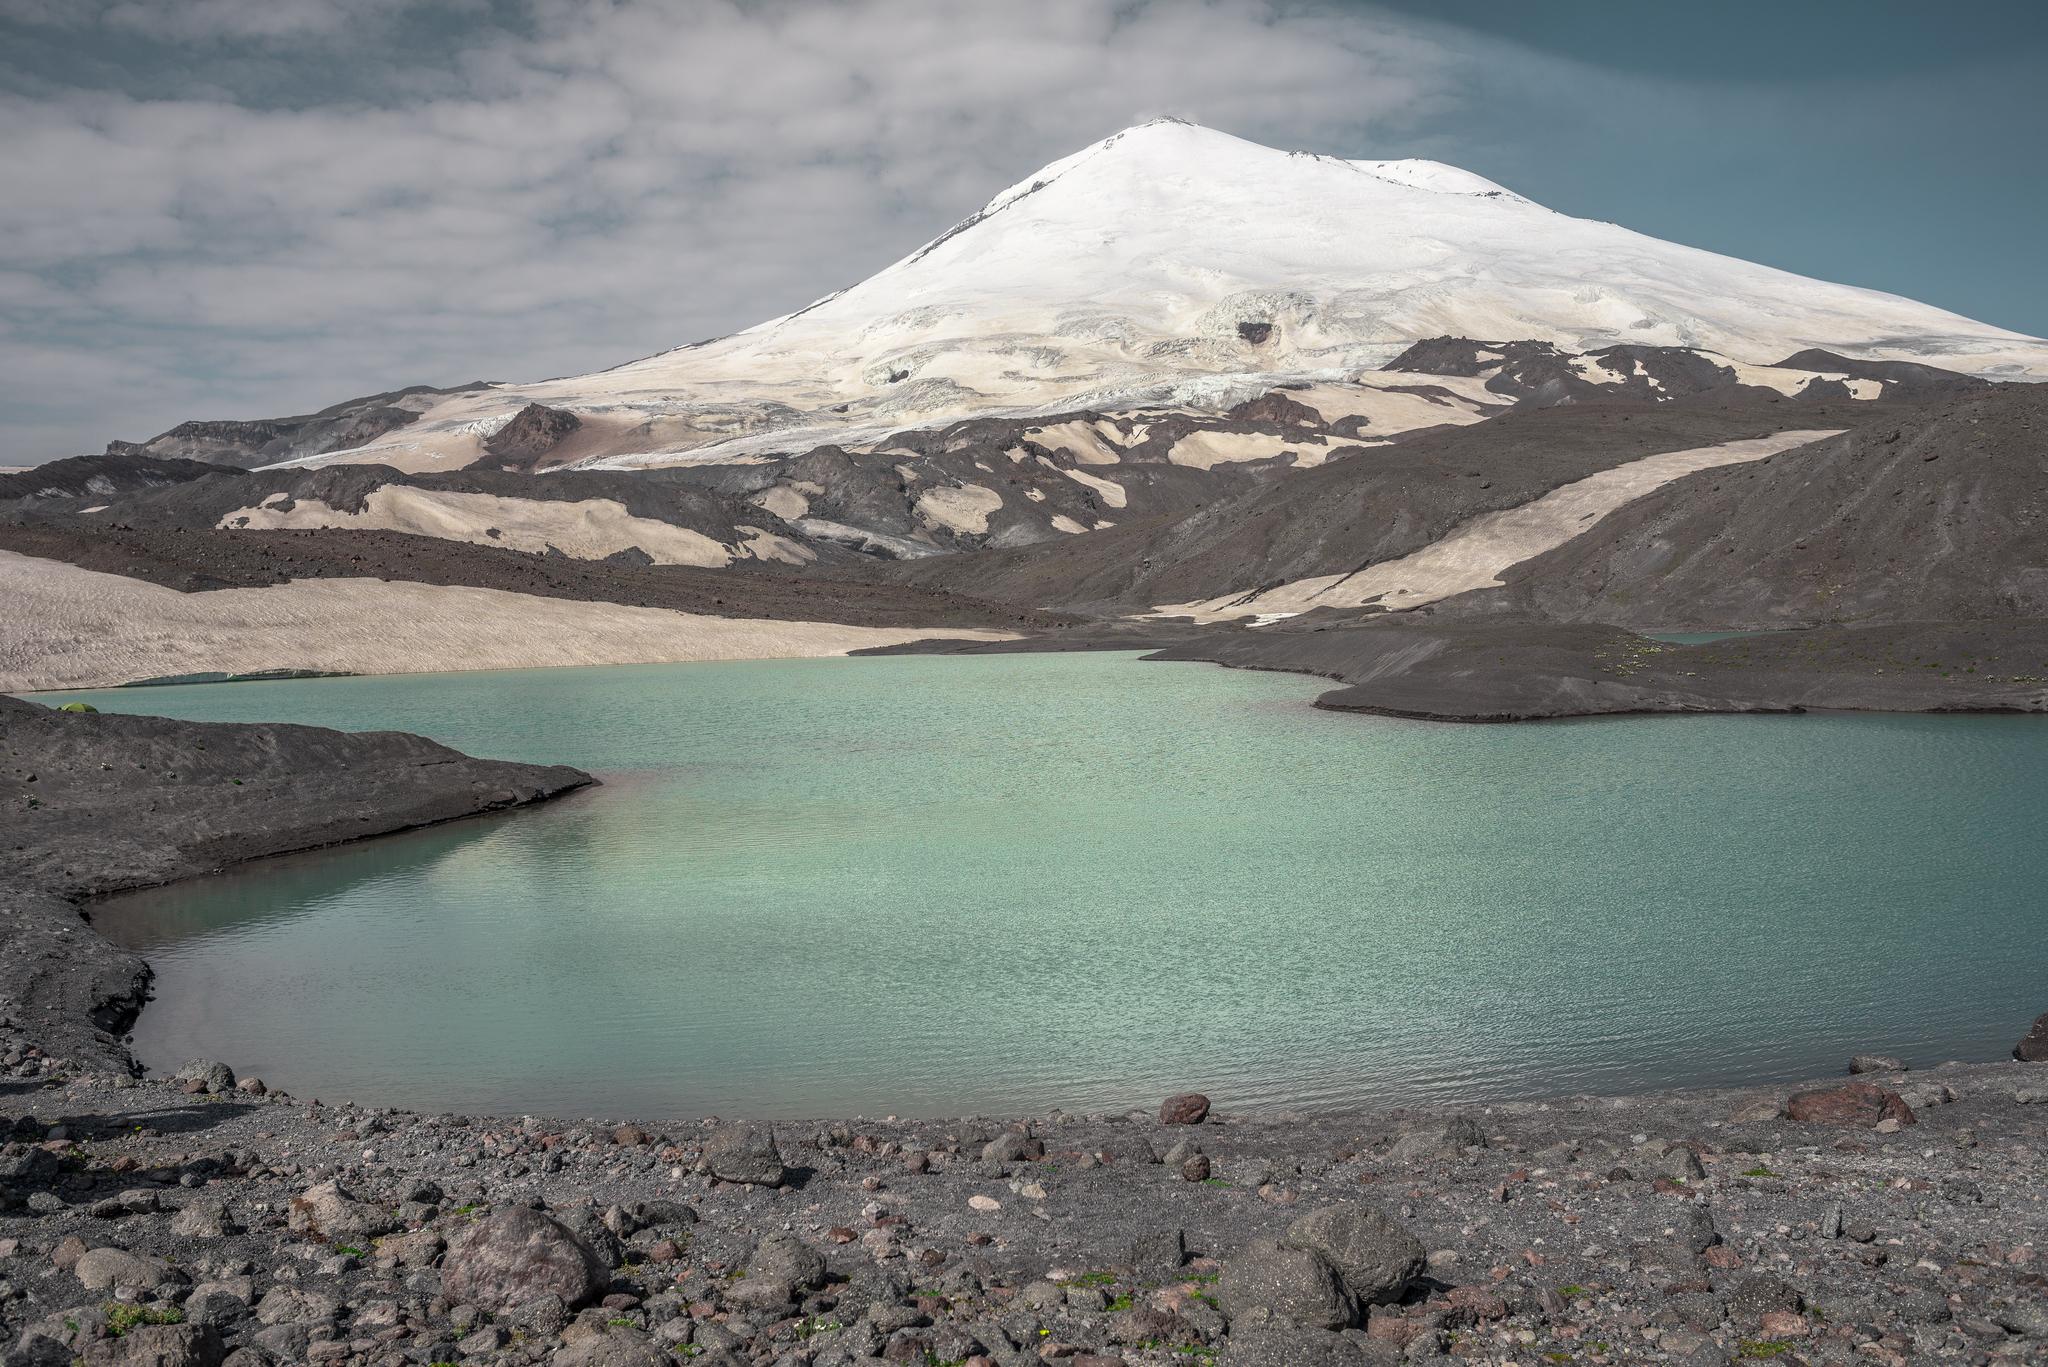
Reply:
x=1003, y=884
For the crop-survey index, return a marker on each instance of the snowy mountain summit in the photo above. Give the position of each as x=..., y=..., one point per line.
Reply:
x=1175, y=266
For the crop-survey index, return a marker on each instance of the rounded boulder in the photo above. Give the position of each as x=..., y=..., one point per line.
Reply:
x=520, y=1255
x=1184, y=1108
x=784, y=1256
x=743, y=1152
x=1862, y=1104
x=1372, y=1255
x=1297, y=1284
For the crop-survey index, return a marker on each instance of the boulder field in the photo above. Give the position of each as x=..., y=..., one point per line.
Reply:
x=203, y=1220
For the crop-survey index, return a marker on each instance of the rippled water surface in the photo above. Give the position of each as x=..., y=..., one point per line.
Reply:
x=1001, y=884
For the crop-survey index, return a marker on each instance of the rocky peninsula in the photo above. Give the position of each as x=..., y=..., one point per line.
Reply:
x=99, y=803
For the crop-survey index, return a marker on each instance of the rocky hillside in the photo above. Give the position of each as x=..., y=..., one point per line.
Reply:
x=1935, y=513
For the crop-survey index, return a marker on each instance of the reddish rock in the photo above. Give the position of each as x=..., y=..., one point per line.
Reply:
x=2034, y=1047
x=519, y=1255
x=195, y=1087
x=1862, y=1104
x=1398, y=1330
x=626, y=1136
x=840, y=1234
x=1722, y=1257
x=1480, y=1302
x=69, y=1252
x=1782, y=1324
x=1188, y=1108
x=916, y=1162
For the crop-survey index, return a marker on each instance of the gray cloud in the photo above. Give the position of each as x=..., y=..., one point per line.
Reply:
x=224, y=208
x=587, y=184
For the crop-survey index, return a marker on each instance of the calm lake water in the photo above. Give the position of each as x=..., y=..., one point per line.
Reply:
x=1002, y=884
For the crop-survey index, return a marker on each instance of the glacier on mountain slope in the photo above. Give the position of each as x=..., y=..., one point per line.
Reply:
x=1175, y=266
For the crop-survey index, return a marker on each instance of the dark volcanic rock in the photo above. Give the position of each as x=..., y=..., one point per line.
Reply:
x=534, y=431
x=1928, y=512
x=1373, y=1256
x=99, y=477
x=2033, y=1046
x=1294, y=1283
x=263, y=441
x=1862, y=1104
x=1279, y=1343
x=1516, y=671
x=127, y=801
x=1761, y=1295
x=1186, y=1108
x=520, y=1255
x=158, y=1345
x=743, y=1152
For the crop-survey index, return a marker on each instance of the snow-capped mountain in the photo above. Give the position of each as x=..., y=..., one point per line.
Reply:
x=1175, y=266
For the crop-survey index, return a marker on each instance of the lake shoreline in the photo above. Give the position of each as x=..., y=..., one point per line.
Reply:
x=1896, y=1221
x=107, y=803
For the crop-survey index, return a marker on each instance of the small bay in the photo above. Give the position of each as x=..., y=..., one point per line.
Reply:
x=999, y=884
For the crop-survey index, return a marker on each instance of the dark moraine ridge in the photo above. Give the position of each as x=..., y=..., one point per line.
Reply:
x=98, y=803
x=1421, y=666
x=1526, y=671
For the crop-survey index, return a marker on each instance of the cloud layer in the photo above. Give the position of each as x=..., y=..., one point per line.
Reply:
x=589, y=183
x=246, y=208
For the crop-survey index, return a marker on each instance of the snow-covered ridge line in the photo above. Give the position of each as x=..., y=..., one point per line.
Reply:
x=1155, y=266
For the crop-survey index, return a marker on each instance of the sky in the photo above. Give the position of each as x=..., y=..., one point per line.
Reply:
x=257, y=208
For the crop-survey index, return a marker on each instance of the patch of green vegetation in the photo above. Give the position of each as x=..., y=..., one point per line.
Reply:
x=816, y=1324
x=1216, y=1182
x=621, y=1322
x=121, y=1319
x=1571, y=1293
x=1762, y=1348
x=1123, y=1302
x=1093, y=1279
x=349, y=1249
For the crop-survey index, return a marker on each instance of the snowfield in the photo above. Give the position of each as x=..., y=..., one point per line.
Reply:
x=1172, y=265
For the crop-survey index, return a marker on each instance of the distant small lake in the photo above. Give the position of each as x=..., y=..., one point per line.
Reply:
x=1000, y=884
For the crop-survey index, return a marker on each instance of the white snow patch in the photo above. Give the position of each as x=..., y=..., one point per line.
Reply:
x=485, y=427
x=964, y=509
x=90, y=630
x=1474, y=555
x=588, y=530
x=1067, y=524
x=1112, y=493
x=1205, y=450
x=783, y=501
